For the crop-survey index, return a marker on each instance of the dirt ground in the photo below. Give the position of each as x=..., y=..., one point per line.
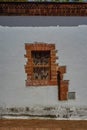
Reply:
x=24, y=124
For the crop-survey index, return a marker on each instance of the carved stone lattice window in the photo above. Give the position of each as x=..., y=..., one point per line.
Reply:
x=41, y=65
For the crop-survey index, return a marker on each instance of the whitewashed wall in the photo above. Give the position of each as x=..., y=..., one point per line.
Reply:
x=71, y=43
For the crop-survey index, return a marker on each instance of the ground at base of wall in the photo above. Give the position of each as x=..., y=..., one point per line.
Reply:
x=42, y=125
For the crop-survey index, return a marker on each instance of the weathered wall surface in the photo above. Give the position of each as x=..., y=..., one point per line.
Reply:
x=43, y=8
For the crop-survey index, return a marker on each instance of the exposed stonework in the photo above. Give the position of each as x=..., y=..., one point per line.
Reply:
x=43, y=8
x=41, y=68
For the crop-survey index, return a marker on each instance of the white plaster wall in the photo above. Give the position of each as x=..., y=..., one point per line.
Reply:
x=71, y=43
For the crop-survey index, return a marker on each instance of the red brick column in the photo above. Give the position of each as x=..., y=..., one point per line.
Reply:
x=63, y=84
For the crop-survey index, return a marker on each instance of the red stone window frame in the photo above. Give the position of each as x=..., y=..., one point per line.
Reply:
x=41, y=47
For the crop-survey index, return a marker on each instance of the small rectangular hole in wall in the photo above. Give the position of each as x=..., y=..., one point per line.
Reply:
x=71, y=95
